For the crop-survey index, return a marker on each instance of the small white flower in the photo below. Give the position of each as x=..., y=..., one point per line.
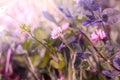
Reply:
x=57, y=32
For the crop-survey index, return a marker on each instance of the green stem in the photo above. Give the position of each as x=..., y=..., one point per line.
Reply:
x=55, y=58
x=65, y=42
x=73, y=68
x=32, y=69
x=81, y=70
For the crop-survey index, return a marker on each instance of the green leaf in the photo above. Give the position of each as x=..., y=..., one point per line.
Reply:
x=60, y=64
x=101, y=77
x=35, y=59
x=24, y=27
x=26, y=44
x=54, y=64
x=45, y=60
x=40, y=33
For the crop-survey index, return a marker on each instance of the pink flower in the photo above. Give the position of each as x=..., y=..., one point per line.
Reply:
x=57, y=32
x=101, y=34
x=65, y=26
x=98, y=35
x=94, y=37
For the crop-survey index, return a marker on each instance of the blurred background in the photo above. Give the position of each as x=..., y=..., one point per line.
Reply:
x=13, y=13
x=16, y=12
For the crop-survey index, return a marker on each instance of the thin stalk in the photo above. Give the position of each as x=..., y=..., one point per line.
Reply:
x=8, y=60
x=73, y=58
x=81, y=70
x=73, y=68
x=32, y=67
x=55, y=58
x=65, y=42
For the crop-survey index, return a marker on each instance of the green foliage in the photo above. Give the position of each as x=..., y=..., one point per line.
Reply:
x=35, y=58
x=60, y=64
x=27, y=44
x=45, y=60
x=40, y=33
x=25, y=27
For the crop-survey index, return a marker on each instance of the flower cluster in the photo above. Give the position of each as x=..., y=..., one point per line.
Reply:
x=57, y=32
x=98, y=35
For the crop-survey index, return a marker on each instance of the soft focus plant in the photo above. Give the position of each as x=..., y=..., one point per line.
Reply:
x=79, y=47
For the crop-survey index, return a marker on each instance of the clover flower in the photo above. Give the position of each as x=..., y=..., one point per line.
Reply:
x=98, y=35
x=57, y=32
x=101, y=34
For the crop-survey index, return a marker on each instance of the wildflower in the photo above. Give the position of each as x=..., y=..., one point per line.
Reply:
x=89, y=4
x=48, y=16
x=65, y=11
x=94, y=37
x=116, y=61
x=81, y=55
x=57, y=32
x=65, y=26
x=92, y=22
x=111, y=73
x=99, y=35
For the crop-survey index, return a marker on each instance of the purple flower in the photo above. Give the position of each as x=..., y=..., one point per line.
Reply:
x=48, y=16
x=87, y=22
x=89, y=4
x=95, y=6
x=65, y=11
x=91, y=22
x=81, y=55
x=116, y=61
x=111, y=73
